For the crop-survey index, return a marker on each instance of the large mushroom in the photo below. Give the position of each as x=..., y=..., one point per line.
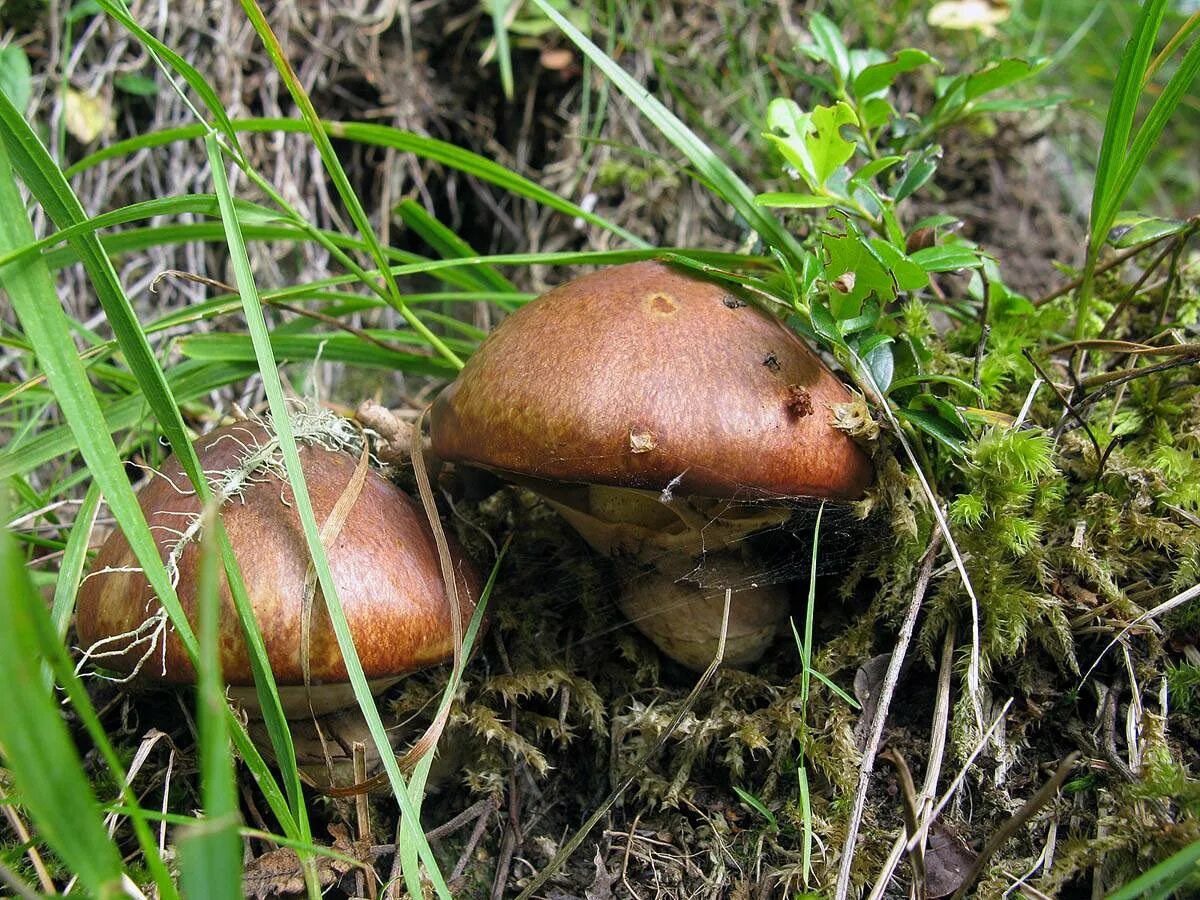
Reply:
x=384, y=561
x=666, y=418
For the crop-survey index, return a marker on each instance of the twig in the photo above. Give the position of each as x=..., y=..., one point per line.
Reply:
x=933, y=772
x=1117, y=260
x=1142, y=279
x=1071, y=410
x=476, y=836
x=923, y=831
x=908, y=794
x=602, y=810
x=512, y=834
x=472, y=813
x=1030, y=808
x=891, y=677
x=1164, y=607
x=35, y=858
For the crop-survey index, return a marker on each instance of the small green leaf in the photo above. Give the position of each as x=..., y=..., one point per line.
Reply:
x=15, y=77
x=758, y=806
x=939, y=220
x=919, y=167
x=876, y=112
x=136, y=84
x=882, y=75
x=824, y=325
x=999, y=75
x=1131, y=229
x=827, y=148
x=945, y=432
x=812, y=143
x=849, y=253
x=792, y=200
x=909, y=275
x=946, y=258
x=828, y=46
x=910, y=380
x=875, y=167
x=876, y=354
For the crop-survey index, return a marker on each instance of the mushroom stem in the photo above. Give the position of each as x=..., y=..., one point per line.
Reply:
x=663, y=549
x=684, y=619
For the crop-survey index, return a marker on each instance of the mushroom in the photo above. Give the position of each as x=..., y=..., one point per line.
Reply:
x=666, y=418
x=384, y=561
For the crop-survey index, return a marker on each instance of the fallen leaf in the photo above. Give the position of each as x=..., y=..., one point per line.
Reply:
x=88, y=116
x=947, y=860
x=968, y=15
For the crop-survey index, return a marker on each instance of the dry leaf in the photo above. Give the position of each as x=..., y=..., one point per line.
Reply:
x=278, y=873
x=947, y=860
x=88, y=116
x=968, y=15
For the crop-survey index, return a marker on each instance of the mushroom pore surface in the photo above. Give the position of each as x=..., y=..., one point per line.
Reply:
x=384, y=562
x=643, y=376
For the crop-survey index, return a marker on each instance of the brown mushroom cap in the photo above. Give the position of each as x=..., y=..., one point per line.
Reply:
x=644, y=376
x=384, y=561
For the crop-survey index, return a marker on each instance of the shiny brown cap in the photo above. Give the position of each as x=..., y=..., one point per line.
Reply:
x=644, y=376
x=384, y=562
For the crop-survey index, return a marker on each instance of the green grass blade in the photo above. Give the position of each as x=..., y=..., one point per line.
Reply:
x=197, y=82
x=1165, y=877
x=503, y=50
x=274, y=390
x=346, y=348
x=1148, y=134
x=723, y=180
x=36, y=746
x=188, y=381
x=210, y=852
x=369, y=134
x=1122, y=111
x=50, y=648
x=341, y=181
x=70, y=569
x=48, y=329
x=449, y=245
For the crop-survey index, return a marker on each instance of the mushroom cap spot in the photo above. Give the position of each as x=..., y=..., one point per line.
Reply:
x=554, y=391
x=384, y=561
x=662, y=303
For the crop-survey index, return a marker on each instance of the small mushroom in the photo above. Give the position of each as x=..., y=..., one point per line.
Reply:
x=384, y=561
x=666, y=419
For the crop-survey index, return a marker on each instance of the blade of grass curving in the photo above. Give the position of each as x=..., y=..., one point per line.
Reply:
x=197, y=82
x=347, y=348
x=48, y=329
x=449, y=245
x=71, y=568
x=279, y=411
x=499, y=10
x=210, y=852
x=194, y=204
x=1148, y=133
x=188, y=381
x=1165, y=878
x=722, y=179
x=51, y=649
x=1122, y=111
x=442, y=152
x=48, y=185
x=341, y=182
x=34, y=740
